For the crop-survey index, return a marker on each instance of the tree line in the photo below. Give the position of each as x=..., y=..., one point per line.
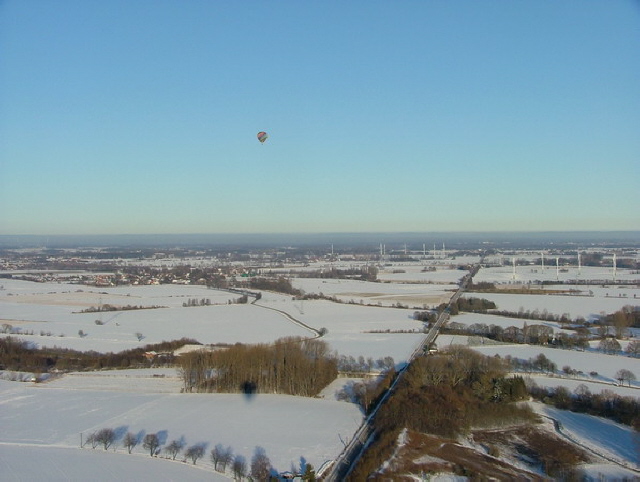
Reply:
x=220, y=456
x=528, y=334
x=348, y=363
x=191, y=302
x=280, y=285
x=474, y=305
x=471, y=304
x=628, y=316
x=108, y=307
x=290, y=365
x=20, y=355
x=607, y=404
x=607, y=328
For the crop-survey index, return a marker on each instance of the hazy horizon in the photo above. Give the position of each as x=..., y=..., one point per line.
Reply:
x=415, y=240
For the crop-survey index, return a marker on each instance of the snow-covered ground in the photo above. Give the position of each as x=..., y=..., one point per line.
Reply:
x=533, y=273
x=506, y=321
x=416, y=294
x=51, y=312
x=56, y=413
x=63, y=464
x=44, y=421
x=585, y=361
x=618, y=443
x=615, y=442
x=52, y=415
x=354, y=330
x=588, y=307
x=413, y=272
x=572, y=382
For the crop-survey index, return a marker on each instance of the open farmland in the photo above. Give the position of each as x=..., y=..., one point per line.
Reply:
x=54, y=310
x=589, y=369
x=49, y=314
x=367, y=319
x=410, y=294
x=229, y=419
x=588, y=301
x=588, y=307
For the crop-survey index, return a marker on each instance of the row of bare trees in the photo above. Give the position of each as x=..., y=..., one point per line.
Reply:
x=291, y=365
x=221, y=457
x=348, y=363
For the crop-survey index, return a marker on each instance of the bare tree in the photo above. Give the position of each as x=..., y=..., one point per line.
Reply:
x=260, y=465
x=239, y=467
x=221, y=456
x=623, y=375
x=621, y=322
x=633, y=348
x=151, y=442
x=363, y=393
x=130, y=441
x=542, y=363
x=195, y=452
x=582, y=391
x=106, y=437
x=174, y=448
x=93, y=440
x=610, y=346
x=193, y=369
x=227, y=457
x=216, y=454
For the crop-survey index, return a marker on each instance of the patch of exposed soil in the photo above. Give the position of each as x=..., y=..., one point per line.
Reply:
x=519, y=453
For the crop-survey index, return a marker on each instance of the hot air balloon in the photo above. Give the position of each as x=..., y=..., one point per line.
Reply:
x=262, y=136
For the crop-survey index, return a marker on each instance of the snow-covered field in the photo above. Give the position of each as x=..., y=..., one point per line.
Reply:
x=50, y=311
x=616, y=443
x=586, y=362
x=406, y=272
x=45, y=421
x=55, y=414
x=52, y=415
x=63, y=464
x=595, y=300
x=532, y=273
x=588, y=307
x=592, y=298
x=414, y=294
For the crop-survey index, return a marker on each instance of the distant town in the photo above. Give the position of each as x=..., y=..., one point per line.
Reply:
x=227, y=266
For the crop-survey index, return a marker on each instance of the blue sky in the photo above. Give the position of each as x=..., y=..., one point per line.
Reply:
x=141, y=116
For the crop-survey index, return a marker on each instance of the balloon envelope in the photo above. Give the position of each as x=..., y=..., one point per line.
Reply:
x=262, y=136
